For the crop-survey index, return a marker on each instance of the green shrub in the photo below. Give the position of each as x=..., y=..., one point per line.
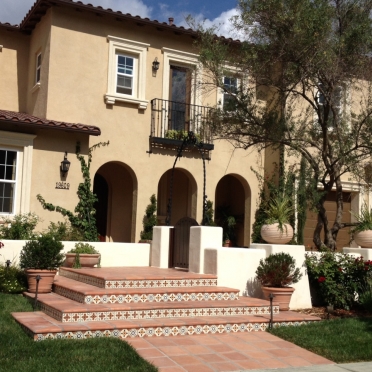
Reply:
x=12, y=279
x=43, y=252
x=149, y=219
x=365, y=297
x=19, y=227
x=65, y=231
x=336, y=278
x=278, y=270
x=83, y=248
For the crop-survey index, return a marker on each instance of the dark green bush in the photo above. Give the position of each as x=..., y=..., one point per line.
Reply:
x=278, y=270
x=149, y=220
x=12, y=279
x=43, y=252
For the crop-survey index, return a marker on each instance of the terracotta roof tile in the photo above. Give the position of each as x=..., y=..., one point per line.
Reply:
x=33, y=121
x=39, y=8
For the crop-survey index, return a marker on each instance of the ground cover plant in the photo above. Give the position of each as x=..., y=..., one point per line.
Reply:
x=20, y=353
x=340, y=340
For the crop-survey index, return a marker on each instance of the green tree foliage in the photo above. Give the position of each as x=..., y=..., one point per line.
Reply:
x=149, y=219
x=84, y=217
x=305, y=85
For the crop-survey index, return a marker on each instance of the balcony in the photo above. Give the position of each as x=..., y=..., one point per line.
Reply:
x=171, y=121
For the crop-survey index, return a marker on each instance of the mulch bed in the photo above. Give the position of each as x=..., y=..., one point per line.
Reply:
x=321, y=312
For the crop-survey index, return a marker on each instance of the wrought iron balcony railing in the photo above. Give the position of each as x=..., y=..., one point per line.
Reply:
x=171, y=121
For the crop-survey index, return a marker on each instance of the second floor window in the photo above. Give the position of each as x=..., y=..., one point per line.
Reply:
x=125, y=75
x=8, y=162
x=230, y=85
x=38, y=68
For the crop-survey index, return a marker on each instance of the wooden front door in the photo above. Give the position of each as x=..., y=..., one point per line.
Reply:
x=180, y=243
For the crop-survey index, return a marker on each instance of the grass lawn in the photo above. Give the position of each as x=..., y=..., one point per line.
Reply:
x=20, y=353
x=340, y=340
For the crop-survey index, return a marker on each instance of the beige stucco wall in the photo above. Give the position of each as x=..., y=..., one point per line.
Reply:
x=14, y=70
x=74, y=81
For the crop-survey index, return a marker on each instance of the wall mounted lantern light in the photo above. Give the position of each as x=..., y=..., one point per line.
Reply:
x=65, y=165
x=155, y=64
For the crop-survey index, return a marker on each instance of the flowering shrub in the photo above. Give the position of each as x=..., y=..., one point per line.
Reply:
x=19, y=227
x=336, y=279
x=12, y=278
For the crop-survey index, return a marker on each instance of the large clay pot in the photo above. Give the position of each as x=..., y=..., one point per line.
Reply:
x=364, y=238
x=272, y=234
x=86, y=260
x=282, y=296
x=45, y=283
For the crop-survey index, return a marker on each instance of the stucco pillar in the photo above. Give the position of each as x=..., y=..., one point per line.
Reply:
x=202, y=237
x=160, y=246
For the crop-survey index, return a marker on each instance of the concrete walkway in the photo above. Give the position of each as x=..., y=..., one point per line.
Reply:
x=347, y=367
x=238, y=351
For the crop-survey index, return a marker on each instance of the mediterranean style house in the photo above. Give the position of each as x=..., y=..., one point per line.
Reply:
x=75, y=75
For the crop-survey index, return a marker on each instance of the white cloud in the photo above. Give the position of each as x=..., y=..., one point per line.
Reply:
x=223, y=23
x=13, y=11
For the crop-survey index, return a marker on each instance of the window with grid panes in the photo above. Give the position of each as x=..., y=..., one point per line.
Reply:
x=8, y=164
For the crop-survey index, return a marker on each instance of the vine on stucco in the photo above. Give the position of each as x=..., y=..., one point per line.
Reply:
x=84, y=216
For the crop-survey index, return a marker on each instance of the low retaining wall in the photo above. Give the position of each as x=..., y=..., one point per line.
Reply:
x=112, y=254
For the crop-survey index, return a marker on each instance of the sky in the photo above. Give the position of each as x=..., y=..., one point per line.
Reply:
x=210, y=12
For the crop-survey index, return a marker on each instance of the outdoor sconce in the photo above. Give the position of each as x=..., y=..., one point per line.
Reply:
x=65, y=165
x=155, y=64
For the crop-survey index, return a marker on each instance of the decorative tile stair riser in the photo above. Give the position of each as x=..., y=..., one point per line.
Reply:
x=152, y=282
x=86, y=293
x=145, y=302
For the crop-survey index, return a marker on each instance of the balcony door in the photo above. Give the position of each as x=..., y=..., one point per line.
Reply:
x=180, y=98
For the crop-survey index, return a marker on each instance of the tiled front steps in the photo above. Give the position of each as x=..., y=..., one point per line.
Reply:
x=138, y=277
x=89, y=294
x=120, y=306
x=66, y=310
x=41, y=326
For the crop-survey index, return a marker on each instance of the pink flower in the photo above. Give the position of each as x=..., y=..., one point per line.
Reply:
x=1, y=244
x=321, y=279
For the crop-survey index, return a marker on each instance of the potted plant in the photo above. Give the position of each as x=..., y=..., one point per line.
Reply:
x=276, y=273
x=83, y=255
x=227, y=221
x=277, y=229
x=362, y=232
x=41, y=256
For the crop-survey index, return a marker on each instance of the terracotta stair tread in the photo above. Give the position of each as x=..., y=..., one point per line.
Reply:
x=38, y=323
x=88, y=289
x=138, y=273
x=66, y=305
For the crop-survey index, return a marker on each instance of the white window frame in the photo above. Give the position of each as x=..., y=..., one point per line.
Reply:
x=181, y=59
x=23, y=144
x=14, y=182
x=221, y=96
x=137, y=51
x=343, y=107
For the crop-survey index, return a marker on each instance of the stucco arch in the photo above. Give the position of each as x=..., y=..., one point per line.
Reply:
x=184, y=200
x=233, y=191
x=122, y=188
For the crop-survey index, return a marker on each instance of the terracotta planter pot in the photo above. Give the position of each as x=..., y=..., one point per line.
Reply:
x=282, y=296
x=364, y=238
x=228, y=243
x=45, y=283
x=272, y=234
x=86, y=260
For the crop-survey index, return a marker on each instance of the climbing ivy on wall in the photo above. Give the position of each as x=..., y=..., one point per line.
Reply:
x=84, y=216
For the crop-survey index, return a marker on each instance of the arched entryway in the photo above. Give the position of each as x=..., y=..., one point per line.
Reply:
x=233, y=199
x=115, y=185
x=184, y=198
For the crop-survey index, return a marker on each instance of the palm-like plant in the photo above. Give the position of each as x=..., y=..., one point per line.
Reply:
x=279, y=211
x=363, y=219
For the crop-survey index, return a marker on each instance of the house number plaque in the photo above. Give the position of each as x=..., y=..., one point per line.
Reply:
x=62, y=185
